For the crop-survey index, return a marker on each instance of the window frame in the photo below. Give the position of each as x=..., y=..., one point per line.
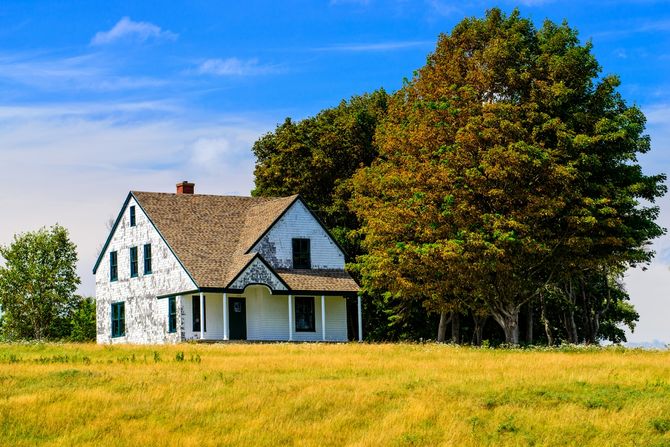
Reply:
x=194, y=314
x=301, y=253
x=300, y=302
x=147, y=259
x=133, y=216
x=172, y=315
x=134, y=265
x=113, y=266
x=118, y=315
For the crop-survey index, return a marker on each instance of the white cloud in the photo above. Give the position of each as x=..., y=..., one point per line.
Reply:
x=75, y=164
x=235, y=67
x=128, y=30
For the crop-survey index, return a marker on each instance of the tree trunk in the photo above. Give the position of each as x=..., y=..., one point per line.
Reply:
x=478, y=333
x=529, y=325
x=508, y=319
x=545, y=322
x=442, y=327
x=455, y=328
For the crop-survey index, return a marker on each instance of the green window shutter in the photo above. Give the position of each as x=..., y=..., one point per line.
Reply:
x=147, y=259
x=113, y=266
x=133, y=262
x=172, y=314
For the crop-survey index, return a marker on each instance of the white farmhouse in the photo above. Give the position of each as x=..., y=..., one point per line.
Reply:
x=188, y=266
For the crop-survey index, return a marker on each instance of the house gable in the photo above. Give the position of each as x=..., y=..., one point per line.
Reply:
x=164, y=261
x=298, y=221
x=257, y=272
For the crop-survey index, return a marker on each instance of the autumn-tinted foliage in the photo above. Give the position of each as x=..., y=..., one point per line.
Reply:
x=505, y=164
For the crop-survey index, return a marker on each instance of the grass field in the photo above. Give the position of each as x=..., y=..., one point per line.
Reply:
x=346, y=394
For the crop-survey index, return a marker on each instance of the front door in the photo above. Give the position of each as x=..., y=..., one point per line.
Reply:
x=237, y=323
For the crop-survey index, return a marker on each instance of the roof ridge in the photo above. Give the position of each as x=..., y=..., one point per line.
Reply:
x=233, y=196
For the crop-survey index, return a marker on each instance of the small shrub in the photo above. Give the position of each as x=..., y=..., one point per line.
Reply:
x=661, y=425
x=180, y=356
x=508, y=426
x=157, y=357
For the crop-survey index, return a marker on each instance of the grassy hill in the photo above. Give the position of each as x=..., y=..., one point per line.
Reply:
x=313, y=395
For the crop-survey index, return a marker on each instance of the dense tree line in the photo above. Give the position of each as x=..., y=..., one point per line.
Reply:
x=499, y=184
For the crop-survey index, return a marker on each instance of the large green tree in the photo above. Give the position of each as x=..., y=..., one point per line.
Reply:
x=37, y=283
x=507, y=162
x=316, y=158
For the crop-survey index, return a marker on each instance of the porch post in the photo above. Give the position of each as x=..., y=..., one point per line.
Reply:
x=290, y=319
x=225, y=316
x=202, y=316
x=323, y=317
x=360, y=320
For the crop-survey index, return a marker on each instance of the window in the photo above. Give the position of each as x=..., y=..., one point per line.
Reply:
x=304, y=314
x=301, y=254
x=113, y=266
x=172, y=314
x=132, y=216
x=147, y=259
x=118, y=319
x=133, y=262
x=196, y=312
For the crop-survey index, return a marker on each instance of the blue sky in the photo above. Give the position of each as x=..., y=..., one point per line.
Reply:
x=98, y=98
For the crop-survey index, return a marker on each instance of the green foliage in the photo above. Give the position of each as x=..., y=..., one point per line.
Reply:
x=506, y=165
x=37, y=284
x=82, y=321
x=316, y=158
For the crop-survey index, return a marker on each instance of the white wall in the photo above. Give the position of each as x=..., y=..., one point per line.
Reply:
x=146, y=316
x=276, y=247
x=267, y=317
x=213, y=316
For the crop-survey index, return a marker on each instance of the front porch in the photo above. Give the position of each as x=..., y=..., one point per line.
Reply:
x=257, y=314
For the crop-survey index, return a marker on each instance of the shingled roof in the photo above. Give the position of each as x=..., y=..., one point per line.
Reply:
x=211, y=235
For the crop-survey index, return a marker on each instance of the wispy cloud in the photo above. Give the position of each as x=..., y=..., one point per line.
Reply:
x=235, y=67
x=90, y=72
x=376, y=46
x=129, y=30
x=443, y=8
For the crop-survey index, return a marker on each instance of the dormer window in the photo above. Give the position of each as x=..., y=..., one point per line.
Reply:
x=132, y=216
x=301, y=254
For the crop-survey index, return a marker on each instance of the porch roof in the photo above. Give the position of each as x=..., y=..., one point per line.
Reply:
x=318, y=280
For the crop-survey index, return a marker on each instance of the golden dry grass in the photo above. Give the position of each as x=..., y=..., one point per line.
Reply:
x=347, y=394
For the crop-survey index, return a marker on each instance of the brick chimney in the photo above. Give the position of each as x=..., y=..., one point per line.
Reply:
x=185, y=187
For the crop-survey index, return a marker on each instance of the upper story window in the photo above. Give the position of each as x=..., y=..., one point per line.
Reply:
x=133, y=262
x=301, y=254
x=132, y=216
x=113, y=266
x=147, y=259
